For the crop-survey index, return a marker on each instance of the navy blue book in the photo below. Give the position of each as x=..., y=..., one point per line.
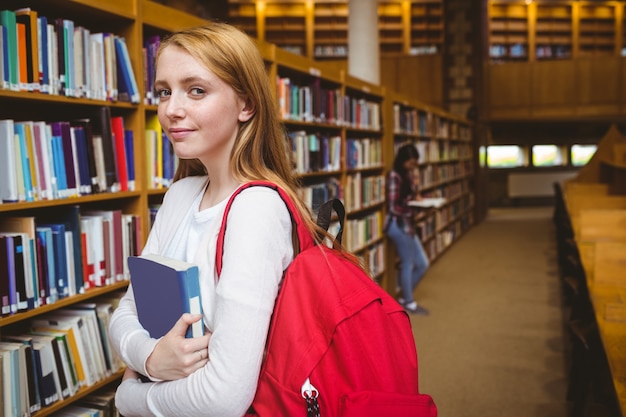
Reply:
x=164, y=289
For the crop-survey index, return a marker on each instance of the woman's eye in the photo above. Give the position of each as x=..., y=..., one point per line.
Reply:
x=196, y=91
x=163, y=93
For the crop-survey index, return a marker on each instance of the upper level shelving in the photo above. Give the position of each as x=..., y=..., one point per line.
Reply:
x=319, y=29
x=559, y=29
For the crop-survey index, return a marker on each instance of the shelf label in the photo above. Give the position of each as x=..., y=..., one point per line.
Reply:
x=365, y=89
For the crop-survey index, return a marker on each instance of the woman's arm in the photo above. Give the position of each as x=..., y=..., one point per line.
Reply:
x=257, y=249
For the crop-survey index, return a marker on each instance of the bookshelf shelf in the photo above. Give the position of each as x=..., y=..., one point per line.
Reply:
x=445, y=165
x=320, y=29
x=555, y=30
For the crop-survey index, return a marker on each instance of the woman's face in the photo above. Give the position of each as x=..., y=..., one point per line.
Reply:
x=199, y=113
x=410, y=164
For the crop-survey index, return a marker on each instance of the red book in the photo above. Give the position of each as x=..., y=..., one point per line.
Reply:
x=117, y=127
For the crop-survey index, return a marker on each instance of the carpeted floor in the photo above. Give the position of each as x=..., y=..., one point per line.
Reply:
x=493, y=344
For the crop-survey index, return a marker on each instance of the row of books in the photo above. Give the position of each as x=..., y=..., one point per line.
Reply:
x=57, y=56
x=316, y=194
x=149, y=50
x=61, y=353
x=63, y=159
x=314, y=152
x=363, y=231
x=439, y=151
x=411, y=121
x=161, y=161
x=56, y=255
x=315, y=103
x=364, y=153
x=374, y=258
x=364, y=191
x=432, y=175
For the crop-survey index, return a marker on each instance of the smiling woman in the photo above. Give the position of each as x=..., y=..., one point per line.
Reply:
x=217, y=109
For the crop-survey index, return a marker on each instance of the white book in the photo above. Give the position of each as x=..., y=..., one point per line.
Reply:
x=7, y=389
x=70, y=257
x=98, y=154
x=8, y=166
x=94, y=340
x=87, y=61
x=97, y=63
x=19, y=378
x=93, y=226
x=48, y=148
x=53, y=60
x=427, y=202
x=42, y=156
x=79, y=67
x=110, y=65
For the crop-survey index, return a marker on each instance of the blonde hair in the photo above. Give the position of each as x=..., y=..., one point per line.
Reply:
x=261, y=150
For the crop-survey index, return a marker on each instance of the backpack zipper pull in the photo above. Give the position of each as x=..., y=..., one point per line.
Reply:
x=310, y=393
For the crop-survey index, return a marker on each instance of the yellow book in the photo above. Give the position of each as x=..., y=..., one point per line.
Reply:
x=155, y=150
x=43, y=327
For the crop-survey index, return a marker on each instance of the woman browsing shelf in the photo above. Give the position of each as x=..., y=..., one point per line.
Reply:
x=403, y=188
x=217, y=109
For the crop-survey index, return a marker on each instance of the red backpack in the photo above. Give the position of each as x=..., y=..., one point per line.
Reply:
x=338, y=344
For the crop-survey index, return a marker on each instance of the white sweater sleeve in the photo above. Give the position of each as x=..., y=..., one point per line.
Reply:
x=257, y=249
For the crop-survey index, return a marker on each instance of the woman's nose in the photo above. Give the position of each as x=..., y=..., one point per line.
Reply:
x=175, y=107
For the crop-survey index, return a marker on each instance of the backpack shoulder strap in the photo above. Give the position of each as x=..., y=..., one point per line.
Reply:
x=304, y=239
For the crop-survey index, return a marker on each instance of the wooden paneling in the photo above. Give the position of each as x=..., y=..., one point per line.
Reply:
x=418, y=76
x=554, y=85
x=565, y=89
x=509, y=89
x=598, y=81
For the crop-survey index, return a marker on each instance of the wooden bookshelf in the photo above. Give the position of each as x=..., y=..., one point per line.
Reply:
x=597, y=29
x=391, y=28
x=445, y=144
x=330, y=36
x=555, y=30
x=319, y=29
x=508, y=31
x=427, y=28
x=361, y=183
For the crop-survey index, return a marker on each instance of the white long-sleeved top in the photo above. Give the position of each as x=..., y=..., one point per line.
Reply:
x=237, y=308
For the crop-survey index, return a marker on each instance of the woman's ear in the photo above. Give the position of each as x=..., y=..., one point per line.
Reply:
x=247, y=112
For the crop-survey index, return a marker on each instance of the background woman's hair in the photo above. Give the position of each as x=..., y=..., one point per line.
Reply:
x=405, y=153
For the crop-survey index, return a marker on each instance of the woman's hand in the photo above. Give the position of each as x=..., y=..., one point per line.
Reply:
x=176, y=357
x=130, y=374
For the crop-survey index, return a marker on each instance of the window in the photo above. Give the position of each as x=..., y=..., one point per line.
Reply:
x=482, y=156
x=581, y=154
x=547, y=156
x=505, y=156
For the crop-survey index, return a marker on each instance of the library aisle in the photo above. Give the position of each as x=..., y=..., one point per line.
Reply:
x=494, y=343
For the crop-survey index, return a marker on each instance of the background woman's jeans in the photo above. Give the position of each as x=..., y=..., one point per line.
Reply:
x=413, y=259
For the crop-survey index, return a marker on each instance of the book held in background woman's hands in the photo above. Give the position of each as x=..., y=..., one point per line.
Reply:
x=164, y=289
x=427, y=202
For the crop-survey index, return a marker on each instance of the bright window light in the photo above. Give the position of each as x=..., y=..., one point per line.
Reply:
x=547, y=156
x=581, y=154
x=505, y=156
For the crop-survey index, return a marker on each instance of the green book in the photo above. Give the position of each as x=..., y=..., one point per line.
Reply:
x=8, y=20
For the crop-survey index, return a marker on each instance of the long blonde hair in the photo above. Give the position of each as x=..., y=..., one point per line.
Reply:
x=261, y=149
